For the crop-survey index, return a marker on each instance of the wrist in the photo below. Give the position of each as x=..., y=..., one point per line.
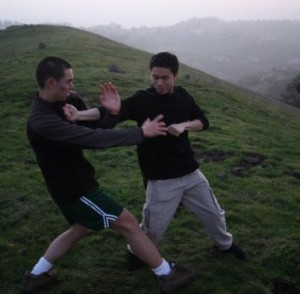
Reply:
x=142, y=133
x=113, y=112
x=186, y=125
x=83, y=115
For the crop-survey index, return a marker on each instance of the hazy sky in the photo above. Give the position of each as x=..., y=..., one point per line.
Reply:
x=135, y=13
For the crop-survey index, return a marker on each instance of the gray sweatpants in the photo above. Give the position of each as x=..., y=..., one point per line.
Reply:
x=194, y=192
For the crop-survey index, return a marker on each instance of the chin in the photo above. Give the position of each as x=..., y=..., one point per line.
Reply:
x=64, y=98
x=161, y=92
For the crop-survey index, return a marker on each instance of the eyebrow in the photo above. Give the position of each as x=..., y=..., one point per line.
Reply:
x=158, y=76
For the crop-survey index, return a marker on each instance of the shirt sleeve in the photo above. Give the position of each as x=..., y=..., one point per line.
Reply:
x=130, y=107
x=197, y=112
x=55, y=128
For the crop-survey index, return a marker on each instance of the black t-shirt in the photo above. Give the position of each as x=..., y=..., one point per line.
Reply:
x=164, y=157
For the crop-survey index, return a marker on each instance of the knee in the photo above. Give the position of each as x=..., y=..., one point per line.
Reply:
x=129, y=220
x=78, y=231
x=126, y=222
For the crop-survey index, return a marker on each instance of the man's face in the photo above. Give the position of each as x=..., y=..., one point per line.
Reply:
x=163, y=80
x=62, y=87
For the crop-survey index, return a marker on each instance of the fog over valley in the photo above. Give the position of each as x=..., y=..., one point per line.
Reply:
x=263, y=56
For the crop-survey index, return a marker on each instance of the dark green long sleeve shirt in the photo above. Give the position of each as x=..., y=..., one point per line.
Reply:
x=58, y=146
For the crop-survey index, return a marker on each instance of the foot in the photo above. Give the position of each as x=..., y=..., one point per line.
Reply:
x=32, y=282
x=177, y=278
x=236, y=251
x=133, y=262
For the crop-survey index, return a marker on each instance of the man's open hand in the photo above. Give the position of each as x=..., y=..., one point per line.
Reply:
x=155, y=127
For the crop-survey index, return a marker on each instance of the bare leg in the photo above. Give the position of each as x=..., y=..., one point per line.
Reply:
x=140, y=244
x=64, y=242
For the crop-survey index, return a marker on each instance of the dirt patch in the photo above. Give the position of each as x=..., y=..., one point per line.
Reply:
x=249, y=160
x=281, y=286
x=215, y=156
x=296, y=175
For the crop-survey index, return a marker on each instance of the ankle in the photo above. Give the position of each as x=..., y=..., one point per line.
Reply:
x=163, y=269
x=42, y=266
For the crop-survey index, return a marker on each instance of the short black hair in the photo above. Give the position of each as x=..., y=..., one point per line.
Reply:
x=165, y=59
x=51, y=66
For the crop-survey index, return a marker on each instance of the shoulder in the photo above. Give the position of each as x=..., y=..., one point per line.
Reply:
x=75, y=99
x=139, y=96
x=43, y=114
x=144, y=93
x=43, y=119
x=182, y=92
x=73, y=96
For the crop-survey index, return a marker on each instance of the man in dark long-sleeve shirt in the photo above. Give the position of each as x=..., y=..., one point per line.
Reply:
x=71, y=181
x=58, y=147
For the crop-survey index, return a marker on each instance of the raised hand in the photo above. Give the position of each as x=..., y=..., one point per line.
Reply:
x=110, y=98
x=155, y=127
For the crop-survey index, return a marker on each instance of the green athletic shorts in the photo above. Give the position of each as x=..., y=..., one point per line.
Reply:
x=94, y=210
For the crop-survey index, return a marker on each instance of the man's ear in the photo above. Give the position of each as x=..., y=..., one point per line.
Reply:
x=51, y=82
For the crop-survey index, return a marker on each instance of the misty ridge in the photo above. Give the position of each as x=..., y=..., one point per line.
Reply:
x=262, y=56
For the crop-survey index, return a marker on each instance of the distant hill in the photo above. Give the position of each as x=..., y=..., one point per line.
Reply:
x=98, y=54
x=263, y=56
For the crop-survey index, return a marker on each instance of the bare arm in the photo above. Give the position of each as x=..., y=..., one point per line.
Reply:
x=178, y=129
x=72, y=114
x=109, y=98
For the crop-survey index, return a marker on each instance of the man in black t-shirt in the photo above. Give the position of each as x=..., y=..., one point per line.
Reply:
x=170, y=171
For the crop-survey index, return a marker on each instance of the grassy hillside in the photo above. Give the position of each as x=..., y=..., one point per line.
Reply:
x=250, y=155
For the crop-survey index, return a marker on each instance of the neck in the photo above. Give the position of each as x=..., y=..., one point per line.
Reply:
x=45, y=95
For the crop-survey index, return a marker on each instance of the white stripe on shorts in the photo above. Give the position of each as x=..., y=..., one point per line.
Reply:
x=106, y=217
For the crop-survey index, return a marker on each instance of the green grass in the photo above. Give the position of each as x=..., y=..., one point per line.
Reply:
x=262, y=201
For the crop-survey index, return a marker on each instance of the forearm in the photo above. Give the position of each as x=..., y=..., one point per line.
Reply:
x=194, y=125
x=178, y=129
x=99, y=118
x=89, y=115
